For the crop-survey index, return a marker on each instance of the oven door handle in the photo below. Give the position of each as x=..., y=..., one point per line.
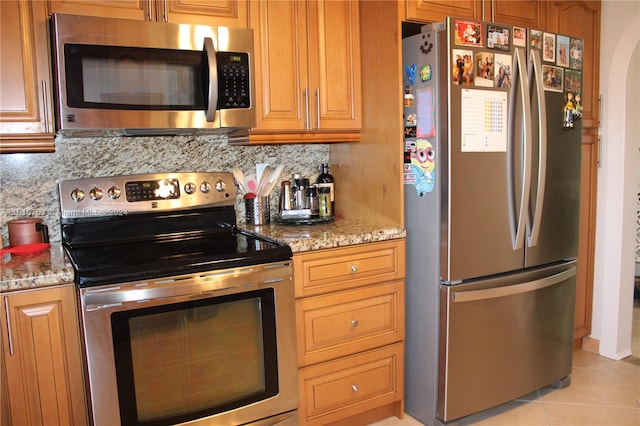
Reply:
x=212, y=65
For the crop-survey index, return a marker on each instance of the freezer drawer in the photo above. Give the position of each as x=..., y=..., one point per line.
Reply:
x=504, y=338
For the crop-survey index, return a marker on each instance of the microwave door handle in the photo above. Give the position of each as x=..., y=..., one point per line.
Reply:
x=212, y=99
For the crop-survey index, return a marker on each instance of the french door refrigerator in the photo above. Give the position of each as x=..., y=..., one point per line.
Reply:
x=492, y=183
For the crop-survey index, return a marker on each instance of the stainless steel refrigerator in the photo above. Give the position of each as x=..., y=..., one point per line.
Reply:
x=492, y=184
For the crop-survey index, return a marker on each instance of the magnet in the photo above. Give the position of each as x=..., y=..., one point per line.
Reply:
x=578, y=107
x=411, y=73
x=427, y=45
x=468, y=33
x=568, y=111
x=423, y=164
x=575, y=54
x=425, y=73
x=498, y=37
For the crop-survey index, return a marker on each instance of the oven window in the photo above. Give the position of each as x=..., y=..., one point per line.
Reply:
x=179, y=362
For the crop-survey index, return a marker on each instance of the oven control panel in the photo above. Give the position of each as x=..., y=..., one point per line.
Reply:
x=122, y=195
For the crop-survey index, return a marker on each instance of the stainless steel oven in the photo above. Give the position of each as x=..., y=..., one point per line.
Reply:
x=185, y=318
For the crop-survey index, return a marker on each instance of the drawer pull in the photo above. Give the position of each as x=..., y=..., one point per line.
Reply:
x=355, y=323
x=354, y=268
x=354, y=388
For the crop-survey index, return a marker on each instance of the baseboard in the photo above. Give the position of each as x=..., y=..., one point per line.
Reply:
x=590, y=344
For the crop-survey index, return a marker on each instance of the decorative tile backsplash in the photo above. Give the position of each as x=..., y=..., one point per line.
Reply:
x=28, y=182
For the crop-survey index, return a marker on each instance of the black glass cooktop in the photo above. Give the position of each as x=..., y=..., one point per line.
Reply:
x=168, y=256
x=152, y=245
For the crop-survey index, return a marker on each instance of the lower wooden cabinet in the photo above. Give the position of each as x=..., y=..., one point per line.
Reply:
x=350, y=333
x=349, y=386
x=42, y=358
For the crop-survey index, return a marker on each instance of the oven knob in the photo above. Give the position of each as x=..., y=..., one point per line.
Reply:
x=95, y=193
x=205, y=187
x=221, y=186
x=190, y=188
x=114, y=192
x=77, y=195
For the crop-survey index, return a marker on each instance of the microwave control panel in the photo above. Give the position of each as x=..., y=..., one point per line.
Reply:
x=233, y=80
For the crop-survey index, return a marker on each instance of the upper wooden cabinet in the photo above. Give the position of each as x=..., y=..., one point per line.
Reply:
x=230, y=13
x=307, y=71
x=42, y=357
x=525, y=13
x=437, y=10
x=582, y=19
x=26, y=112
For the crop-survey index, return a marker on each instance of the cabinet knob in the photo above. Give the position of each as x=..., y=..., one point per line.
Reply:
x=354, y=323
x=354, y=388
x=354, y=268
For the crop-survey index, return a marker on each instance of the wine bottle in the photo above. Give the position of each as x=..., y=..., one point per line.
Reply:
x=325, y=180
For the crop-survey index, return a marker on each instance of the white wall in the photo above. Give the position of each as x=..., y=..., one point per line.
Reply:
x=616, y=209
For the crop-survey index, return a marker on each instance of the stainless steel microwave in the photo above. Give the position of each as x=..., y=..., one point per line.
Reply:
x=137, y=77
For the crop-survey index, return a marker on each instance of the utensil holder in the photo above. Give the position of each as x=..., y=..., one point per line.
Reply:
x=257, y=210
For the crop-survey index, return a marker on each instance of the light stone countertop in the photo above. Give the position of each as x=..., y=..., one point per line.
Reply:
x=47, y=268
x=52, y=267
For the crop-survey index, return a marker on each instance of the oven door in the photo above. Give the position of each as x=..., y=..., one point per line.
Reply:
x=122, y=74
x=215, y=348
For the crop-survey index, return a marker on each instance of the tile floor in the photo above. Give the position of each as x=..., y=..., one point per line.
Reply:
x=602, y=393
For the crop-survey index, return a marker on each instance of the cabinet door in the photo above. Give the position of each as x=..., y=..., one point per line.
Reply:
x=582, y=19
x=227, y=13
x=437, y=10
x=230, y=13
x=123, y=9
x=333, y=391
x=280, y=47
x=586, y=247
x=307, y=70
x=334, y=55
x=326, y=271
x=345, y=323
x=42, y=357
x=524, y=13
x=26, y=117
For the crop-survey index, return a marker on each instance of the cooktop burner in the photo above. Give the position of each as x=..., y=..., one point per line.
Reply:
x=151, y=226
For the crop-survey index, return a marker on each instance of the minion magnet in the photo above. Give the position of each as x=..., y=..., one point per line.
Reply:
x=423, y=165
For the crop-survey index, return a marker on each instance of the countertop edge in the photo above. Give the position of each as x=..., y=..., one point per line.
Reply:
x=52, y=267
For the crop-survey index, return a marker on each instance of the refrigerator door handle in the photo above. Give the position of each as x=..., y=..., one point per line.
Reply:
x=510, y=290
x=521, y=83
x=535, y=75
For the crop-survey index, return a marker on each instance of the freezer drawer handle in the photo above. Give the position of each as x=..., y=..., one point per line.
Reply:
x=491, y=293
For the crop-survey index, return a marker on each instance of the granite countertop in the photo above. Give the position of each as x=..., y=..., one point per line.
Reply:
x=52, y=267
x=49, y=267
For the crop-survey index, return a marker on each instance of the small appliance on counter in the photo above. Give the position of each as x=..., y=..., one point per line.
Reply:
x=26, y=236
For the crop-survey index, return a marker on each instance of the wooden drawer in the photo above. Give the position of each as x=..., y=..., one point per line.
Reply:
x=339, y=389
x=348, y=322
x=324, y=271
